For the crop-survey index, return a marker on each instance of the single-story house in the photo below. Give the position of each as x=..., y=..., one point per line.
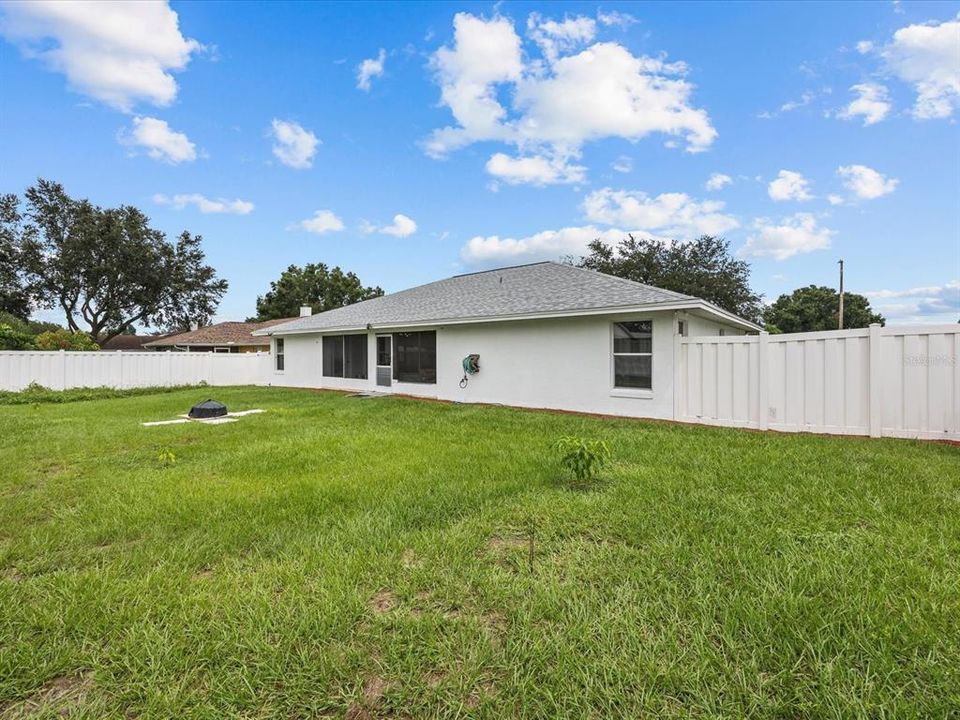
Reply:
x=225, y=337
x=548, y=335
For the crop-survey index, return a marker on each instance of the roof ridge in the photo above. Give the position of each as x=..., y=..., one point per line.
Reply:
x=633, y=283
x=498, y=269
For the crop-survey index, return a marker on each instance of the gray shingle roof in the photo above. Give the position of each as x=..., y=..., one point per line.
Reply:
x=538, y=288
x=225, y=333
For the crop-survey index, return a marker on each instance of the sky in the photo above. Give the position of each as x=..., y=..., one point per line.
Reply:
x=410, y=142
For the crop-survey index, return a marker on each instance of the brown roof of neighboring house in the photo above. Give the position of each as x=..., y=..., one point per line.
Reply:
x=225, y=333
x=129, y=342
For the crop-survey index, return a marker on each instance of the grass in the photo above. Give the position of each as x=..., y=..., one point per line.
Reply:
x=361, y=558
x=36, y=394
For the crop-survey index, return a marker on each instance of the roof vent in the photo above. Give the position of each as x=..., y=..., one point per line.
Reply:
x=306, y=311
x=208, y=409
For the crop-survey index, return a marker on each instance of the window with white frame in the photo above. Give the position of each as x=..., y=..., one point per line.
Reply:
x=633, y=354
x=278, y=354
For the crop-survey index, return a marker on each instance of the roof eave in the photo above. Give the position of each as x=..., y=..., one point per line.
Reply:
x=684, y=304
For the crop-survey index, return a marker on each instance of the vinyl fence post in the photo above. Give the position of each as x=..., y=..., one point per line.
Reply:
x=876, y=385
x=63, y=369
x=119, y=370
x=679, y=374
x=763, y=380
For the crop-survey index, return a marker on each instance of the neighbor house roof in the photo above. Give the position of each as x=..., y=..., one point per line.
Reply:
x=129, y=342
x=221, y=334
x=545, y=289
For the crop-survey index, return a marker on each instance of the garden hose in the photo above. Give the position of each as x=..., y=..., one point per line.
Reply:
x=471, y=366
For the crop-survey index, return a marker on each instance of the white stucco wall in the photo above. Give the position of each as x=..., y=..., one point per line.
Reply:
x=562, y=363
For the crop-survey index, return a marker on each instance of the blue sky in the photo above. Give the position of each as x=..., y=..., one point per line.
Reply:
x=409, y=142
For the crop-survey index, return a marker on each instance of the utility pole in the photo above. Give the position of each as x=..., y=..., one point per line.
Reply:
x=840, y=318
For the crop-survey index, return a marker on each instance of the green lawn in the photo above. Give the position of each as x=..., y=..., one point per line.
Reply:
x=361, y=558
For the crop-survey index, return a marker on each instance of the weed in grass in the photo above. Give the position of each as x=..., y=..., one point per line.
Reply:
x=584, y=458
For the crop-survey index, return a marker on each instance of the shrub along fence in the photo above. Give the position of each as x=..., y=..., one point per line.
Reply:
x=893, y=381
x=61, y=370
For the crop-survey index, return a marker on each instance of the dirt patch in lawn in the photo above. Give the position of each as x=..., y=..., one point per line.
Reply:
x=60, y=695
x=14, y=575
x=499, y=545
x=409, y=560
x=383, y=602
x=203, y=573
x=373, y=689
x=487, y=689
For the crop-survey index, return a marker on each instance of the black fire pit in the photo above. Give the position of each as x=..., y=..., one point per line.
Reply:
x=208, y=409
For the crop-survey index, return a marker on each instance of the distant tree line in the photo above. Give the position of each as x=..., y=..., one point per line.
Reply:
x=706, y=268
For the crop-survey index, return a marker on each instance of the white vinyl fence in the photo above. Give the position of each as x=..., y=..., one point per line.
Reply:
x=894, y=382
x=60, y=370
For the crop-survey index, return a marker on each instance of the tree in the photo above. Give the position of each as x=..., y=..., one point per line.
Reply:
x=13, y=338
x=107, y=268
x=30, y=327
x=813, y=308
x=703, y=268
x=14, y=297
x=314, y=285
x=64, y=340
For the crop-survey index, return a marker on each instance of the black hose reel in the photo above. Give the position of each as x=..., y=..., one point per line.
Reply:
x=471, y=366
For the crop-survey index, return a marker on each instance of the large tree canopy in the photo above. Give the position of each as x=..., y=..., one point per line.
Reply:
x=14, y=298
x=106, y=268
x=703, y=268
x=813, y=308
x=315, y=285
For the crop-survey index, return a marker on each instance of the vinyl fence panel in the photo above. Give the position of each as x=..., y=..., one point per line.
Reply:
x=61, y=370
x=896, y=382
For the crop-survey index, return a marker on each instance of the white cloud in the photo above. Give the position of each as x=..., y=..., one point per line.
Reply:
x=793, y=235
x=835, y=199
x=494, y=250
x=718, y=181
x=323, y=221
x=864, y=46
x=402, y=226
x=674, y=216
x=565, y=35
x=369, y=69
x=928, y=57
x=614, y=18
x=205, y=204
x=119, y=53
x=805, y=99
x=872, y=102
x=921, y=304
x=534, y=170
x=866, y=183
x=484, y=54
x=789, y=185
x=293, y=145
x=159, y=141
x=622, y=164
x=601, y=91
